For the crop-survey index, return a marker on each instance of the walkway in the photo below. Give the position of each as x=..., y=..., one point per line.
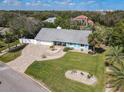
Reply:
x=32, y=53
x=107, y=87
x=12, y=81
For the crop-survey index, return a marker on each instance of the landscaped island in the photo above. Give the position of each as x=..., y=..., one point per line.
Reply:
x=81, y=76
x=52, y=72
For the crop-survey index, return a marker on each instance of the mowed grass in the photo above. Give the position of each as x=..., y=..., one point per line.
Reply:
x=5, y=46
x=13, y=54
x=52, y=72
x=10, y=56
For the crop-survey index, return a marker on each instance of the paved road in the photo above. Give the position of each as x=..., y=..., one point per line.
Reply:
x=13, y=81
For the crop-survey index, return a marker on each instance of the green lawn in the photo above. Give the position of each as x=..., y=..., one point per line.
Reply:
x=52, y=72
x=12, y=55
x=5, y=46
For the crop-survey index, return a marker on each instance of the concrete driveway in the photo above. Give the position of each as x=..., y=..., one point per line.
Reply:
x=13, y=81
x=32, y=53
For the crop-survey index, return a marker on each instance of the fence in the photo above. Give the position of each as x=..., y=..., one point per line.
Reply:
x=33, y=41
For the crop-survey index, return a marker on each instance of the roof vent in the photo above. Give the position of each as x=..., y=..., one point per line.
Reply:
x=59, y=27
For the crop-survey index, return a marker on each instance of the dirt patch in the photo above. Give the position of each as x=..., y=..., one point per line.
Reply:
x=81, y=76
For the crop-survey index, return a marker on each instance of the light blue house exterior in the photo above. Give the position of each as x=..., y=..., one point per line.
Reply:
x=78, y=46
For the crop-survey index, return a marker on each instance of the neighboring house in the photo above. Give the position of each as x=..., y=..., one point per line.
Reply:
x=50, y=20
x=82, y=21
x=77, y=39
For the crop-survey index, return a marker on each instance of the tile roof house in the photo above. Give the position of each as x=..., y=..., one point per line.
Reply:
x=82, y=21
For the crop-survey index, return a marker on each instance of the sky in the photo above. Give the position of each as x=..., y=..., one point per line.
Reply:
x=62, y=5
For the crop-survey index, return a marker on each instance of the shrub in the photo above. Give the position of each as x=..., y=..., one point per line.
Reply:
x=53, y=49
x=91, y=52
x=82, y=50
x=66, y=49
x=52, y=46
x=17, y=48
x=43, y=56
x=107, y=63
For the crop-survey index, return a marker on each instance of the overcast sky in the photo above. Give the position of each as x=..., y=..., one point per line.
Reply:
x=61, y=4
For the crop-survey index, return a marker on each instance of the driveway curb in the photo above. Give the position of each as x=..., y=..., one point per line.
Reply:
x=36, y=81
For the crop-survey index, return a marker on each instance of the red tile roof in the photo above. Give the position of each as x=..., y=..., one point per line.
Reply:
x=81, y=17
x=90, y=22
x=85, y=18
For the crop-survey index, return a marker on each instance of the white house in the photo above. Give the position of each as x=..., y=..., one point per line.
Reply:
x=50, y=20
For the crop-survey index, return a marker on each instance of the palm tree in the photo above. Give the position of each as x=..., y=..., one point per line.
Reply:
x=115, y=55
x=94, y=40
x=117, y=78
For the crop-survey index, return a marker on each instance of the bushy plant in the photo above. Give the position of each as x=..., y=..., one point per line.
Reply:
x=44, y=56
x=91, y=52
x=66, y=49
x=52, y=46
x=14, y=49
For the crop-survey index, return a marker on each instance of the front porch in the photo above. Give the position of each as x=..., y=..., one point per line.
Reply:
x=72, y=45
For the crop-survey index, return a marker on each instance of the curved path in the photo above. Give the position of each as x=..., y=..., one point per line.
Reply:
x=12, y=81
x=107, y=88
x=32, y=53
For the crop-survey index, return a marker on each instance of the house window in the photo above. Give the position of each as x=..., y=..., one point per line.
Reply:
x=82, y=45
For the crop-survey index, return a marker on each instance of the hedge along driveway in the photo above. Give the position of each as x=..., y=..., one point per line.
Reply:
x=13, y=54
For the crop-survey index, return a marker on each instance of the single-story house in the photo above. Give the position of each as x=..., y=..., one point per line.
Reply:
x=77, y=39
x=50, y=20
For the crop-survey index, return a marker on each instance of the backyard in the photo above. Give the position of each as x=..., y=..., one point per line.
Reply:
x=52, y=72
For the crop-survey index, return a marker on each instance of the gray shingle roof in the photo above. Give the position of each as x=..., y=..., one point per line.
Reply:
x=63, y=35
